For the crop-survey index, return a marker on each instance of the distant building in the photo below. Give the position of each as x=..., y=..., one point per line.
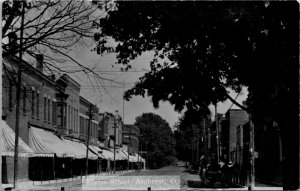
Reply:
x=106, y=130
x=130, y=137
x=229, y=126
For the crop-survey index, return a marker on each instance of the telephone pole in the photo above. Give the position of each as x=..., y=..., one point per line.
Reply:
x=1, y=99
x=19, y=76
x=115, y=128
x=128, y=147
x=217, y=131
x=252, y=150
x=90, y=115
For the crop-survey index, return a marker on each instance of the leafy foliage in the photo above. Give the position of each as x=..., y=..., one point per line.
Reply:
x=203, y=48
x=157, y=136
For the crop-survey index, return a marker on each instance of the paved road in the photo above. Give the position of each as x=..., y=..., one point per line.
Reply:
x=166, y=171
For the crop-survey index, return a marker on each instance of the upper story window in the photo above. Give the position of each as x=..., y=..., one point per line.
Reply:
x=49, y=110
x=10, y=95
x=38, y=105
x=61, y=114
x=45, y=108
x=24, y=99
x=32, y=103
x=53, y=113
x=69, y=117
x=81, y=125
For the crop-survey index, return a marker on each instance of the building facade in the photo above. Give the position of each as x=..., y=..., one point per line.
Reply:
x=49, y=122
x=131, y=135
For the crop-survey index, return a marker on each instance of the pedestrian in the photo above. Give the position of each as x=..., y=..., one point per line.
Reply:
x=230, y=172
x=202, y=165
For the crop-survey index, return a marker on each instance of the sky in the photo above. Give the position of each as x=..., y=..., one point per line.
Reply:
x=110, y=99
x=109, y=96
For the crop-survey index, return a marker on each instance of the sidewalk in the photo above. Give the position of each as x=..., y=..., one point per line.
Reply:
x=68, y=183
x=185, y=176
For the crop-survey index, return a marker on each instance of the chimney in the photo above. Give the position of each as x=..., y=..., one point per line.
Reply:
x=52, y=77
x=244, y=103
x=12, y=39
x=39, y=62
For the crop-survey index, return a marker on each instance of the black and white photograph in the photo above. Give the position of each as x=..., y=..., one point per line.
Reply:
x=149, y=95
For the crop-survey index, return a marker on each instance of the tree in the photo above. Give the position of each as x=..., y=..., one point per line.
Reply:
x=54, y=29
x=190, y=127
x=159, y=137
x=204, y=48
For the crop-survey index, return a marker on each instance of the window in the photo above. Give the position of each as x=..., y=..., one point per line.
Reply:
x=24, y=100
x=76, y=120
x=86, y=127
x=53, y=113
x=65, y=115
x=32, y=103
x=61, y=114
x=49, y=110
x=37, y=105
x=71, y=116
x=10, y=98
x=45, y=109
x=69, y=120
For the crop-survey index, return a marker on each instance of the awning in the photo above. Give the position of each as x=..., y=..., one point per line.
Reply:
x=126, y=154
x=97, y=151
x=8, y=142
x=122, y=155
x=80, y=149
x=141, y=159
x=131, y=158
x=77, y=153
x=45, y=142
x=108, y=155
x=118, y=156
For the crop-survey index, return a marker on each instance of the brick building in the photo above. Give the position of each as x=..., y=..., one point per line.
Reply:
x=49, y=123
x=131, y=138
x=106, y=130
x=229, y=128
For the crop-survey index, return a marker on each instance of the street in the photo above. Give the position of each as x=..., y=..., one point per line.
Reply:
x=93, y=182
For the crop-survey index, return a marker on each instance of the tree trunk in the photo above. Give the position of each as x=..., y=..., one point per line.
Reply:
x=289, y=127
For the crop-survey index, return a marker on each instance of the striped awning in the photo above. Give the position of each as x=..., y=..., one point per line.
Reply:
x=97, y=151
x=79, y=154
x=123, y=156
x=45, y=143
x=8, y=143
x=108, y=155
x=80, y=149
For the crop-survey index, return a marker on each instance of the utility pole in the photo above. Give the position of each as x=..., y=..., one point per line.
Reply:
x=146, y=155
x=19, y=76
x=252, y=150
x=90, y=115
x=115, y=134
x=193, y=151
x=1, y=98
x=123, y=100
x=217, y=131
x=205, y=139
x=128, y=147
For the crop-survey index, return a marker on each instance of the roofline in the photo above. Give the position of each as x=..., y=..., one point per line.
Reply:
x=72, y=80
x=29, y=66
